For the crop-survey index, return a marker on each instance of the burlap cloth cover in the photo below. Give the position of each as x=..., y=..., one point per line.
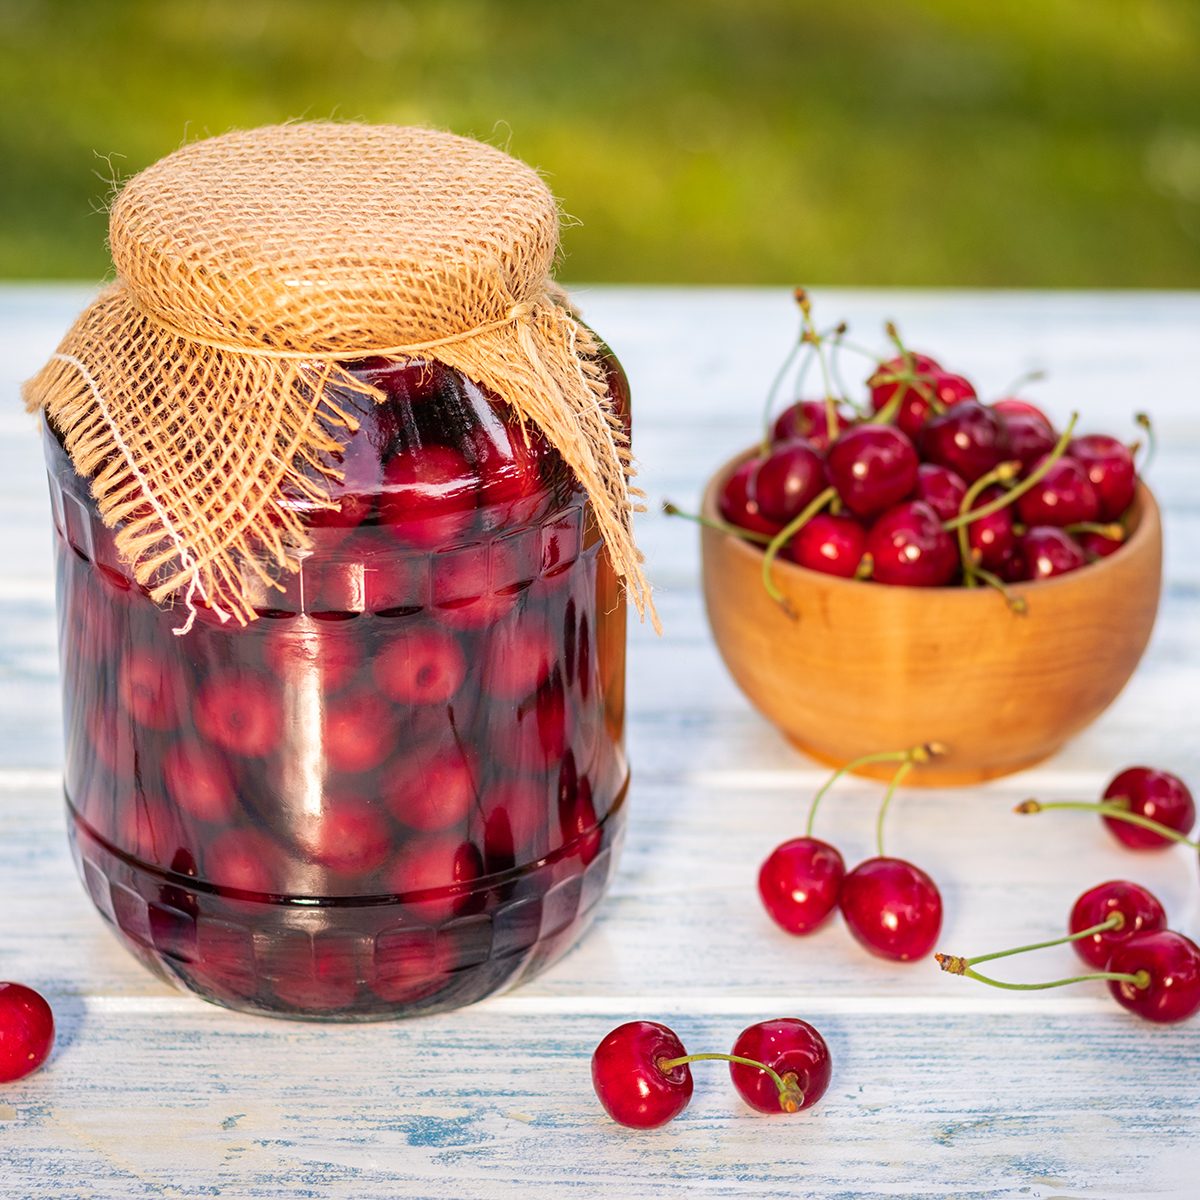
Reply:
x=202, y=386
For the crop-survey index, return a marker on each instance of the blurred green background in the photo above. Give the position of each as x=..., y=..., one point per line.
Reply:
x=1028, y=142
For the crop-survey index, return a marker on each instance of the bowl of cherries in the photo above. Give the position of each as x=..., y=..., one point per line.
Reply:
x=920, y=565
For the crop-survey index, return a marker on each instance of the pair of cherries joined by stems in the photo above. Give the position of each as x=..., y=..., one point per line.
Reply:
x=923, y=485
x=641, y=1071
x=1121, y=928
x=892, y=907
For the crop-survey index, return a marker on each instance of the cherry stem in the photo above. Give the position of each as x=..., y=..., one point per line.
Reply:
x=1019, y=489
x=790, y=1095
x=1016, y=603
x=902, y=770
x=773, y=391
x=1113, y=921
x=716, y=523
x=782, y=538
x=1114, y=531
x=914, y=754
x=1143, y=421
x=1140, y=980
x=1034, y=376
x=1115, y=807
x=1004, y=474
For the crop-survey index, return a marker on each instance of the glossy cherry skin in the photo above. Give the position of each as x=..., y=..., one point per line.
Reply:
x=799, y=883
x=1044, y=551
x=872, y=467
x=916, y=401
x=1029, y=437
x=1173, y=963
x=909, y=548
x=1096, y=545
x=1141, y=909
x=893, y=908
x=991, y=538
x=969, y=438
x=629, y=1083
x=941, y=489
x=1158, y=795
x=950, y=389
x=1111, y=470
x=738, y=501
x=809, y=419
x=788, y=1046
x=788, y=479
x=830, y=544
x=26, y=1031
x=1064, y=496
x=1012, y=406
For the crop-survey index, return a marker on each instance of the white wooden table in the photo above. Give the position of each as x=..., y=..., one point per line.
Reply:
x=940, y=1088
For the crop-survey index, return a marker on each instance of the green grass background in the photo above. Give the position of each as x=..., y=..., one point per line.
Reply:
x=1010, y=143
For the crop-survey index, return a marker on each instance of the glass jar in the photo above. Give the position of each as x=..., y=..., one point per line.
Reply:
x=401, y=788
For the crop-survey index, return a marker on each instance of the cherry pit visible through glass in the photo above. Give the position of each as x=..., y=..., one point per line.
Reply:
x=401, y=788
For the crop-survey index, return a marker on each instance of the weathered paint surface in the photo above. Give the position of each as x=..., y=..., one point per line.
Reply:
x=940, y=1089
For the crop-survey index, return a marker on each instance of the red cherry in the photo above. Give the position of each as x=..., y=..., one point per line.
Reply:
x=992, y=538
x=916, y=403
x=790, y=1047
x=1140, y=909
x=909, y=547
x=893, y=908
x=245, y=860
x=1097, y=545
x=941, y=489
x=148, y=690
x=514, y=815
x=429, y=495
x=629, y=1082
x=739, y=503
x=1030, y=438
x=872, y=467
x=1009, y=406
x=1045, y=551
x=809, y=419
x=357, y=732
x=1156, y=795
x=476, y=587
x=788, y=479
x=348, y=835
x=431, y=791
x=831, y=544
x=420, y=664
x=578, y=821
x=240, y=712
x=26, y=1031
x=518, y=660
x=1063, y=496
x=950, y=389
x=799, y=884
x=969, y=438
x=1172, y=963
x=433, y=876
x=1110, y=469
x=199, y=781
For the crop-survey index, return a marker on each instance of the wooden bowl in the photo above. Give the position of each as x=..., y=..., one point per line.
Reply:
x=867, y=667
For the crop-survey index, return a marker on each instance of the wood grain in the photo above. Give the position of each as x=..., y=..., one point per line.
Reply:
x=939, y=1090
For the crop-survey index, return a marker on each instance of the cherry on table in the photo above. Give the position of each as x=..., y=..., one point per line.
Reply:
x=892, y=907
x=833, y=545
x=628, y=1080
x=793, y=1049
x=26, y=1031
x=872, y=467
x=1154, y=794
x=1140, y=909
x=1110, y=468
x=909, y=547
x=969, y=438
x=1063, y=496
x=788, y=480
x=1171, y=963
x=799, y=884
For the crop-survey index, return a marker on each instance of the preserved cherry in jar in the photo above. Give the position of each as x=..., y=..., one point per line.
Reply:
x=388, y=779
